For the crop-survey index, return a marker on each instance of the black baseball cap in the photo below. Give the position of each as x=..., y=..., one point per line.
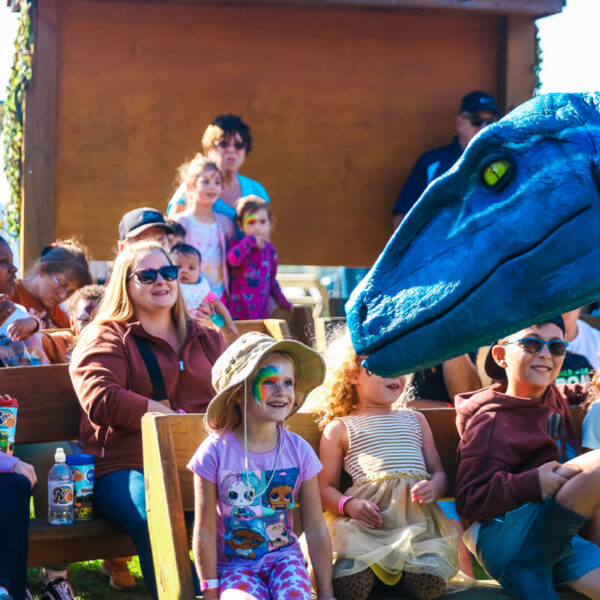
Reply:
x=476, y=101
x=140, y=219
x=498, y=373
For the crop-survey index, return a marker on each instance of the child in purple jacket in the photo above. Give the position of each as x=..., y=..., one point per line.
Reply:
x=253, y=263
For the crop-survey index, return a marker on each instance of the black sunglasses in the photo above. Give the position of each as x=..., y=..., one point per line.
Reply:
x=533, y=345
x=148, y=276
x=225, y=143
x=478, y=121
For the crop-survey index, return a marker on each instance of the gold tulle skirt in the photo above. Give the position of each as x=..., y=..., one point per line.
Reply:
x=416, y=538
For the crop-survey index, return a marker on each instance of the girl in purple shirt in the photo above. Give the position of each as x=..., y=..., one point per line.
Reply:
x=252, y=472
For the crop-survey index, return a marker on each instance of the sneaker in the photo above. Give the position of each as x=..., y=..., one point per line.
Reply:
x=4, y=595
x=57, y=589
x=117, y=570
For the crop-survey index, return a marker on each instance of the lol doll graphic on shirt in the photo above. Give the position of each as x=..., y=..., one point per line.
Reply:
x=256, y=525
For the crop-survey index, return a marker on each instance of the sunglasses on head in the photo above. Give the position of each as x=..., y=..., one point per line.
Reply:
x=477, y=120
x=225, y=144
x=148, y=276
x=533, y=345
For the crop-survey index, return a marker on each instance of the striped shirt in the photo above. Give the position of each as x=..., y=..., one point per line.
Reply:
x=384, y=445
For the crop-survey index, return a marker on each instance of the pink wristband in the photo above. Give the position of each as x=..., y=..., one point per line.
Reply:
x=208, y=584
x=343, y=501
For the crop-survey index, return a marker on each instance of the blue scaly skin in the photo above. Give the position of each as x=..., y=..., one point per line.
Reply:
x=475, y=261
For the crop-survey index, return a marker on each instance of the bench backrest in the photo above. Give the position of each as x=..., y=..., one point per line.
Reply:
x=276, y=328
x=169, y=443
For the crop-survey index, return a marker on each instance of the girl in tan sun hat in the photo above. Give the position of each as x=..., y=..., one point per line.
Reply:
x=251, y=472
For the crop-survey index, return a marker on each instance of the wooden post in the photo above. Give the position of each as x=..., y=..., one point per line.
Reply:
x=519, y=61
x=37, y=209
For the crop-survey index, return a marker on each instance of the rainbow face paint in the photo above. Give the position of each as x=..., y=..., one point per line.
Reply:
x=249, y=219
x=268, y=373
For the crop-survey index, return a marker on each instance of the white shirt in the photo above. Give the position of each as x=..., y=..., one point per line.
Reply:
x=587, y=343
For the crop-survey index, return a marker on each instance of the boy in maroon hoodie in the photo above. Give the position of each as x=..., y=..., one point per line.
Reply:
x=519, y=481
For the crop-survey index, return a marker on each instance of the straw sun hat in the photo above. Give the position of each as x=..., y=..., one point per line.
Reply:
x=240, y=362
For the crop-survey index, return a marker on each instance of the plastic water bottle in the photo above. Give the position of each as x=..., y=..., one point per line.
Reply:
x=60, y=491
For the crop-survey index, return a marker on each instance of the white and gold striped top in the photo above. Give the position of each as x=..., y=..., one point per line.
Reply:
x=384, y=445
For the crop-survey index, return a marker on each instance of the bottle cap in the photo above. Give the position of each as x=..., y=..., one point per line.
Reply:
x=59, y=456
x=80, y=459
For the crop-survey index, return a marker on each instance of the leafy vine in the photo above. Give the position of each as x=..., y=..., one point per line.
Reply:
x=13, y=122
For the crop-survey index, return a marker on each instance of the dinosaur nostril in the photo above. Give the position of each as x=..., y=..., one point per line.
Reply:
x=362, y=312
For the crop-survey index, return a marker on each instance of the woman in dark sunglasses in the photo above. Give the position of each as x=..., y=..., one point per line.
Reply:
x=142, y=353
x=226, y=142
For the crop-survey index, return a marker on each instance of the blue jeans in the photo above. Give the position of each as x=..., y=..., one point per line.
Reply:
x=120, y=497
x=15, y=491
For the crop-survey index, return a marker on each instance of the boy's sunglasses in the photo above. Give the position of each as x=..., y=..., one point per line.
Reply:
x=534, y=346
x=225, y=144
x=148, y=276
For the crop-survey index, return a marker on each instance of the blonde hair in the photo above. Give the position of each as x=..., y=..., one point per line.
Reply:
x=230, y=414
x=117, y=307
x=593, y=393
x=337, y=396
x=190, y=171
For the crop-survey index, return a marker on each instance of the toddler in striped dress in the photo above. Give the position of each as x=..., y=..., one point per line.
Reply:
x=386, y=529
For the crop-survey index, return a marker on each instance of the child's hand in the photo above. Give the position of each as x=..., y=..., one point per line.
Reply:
x=423, y=492
x=550, y=480
x=364, y=512
x=7, y=308
x=260, y=241
x=22, y=328
x=231, y=330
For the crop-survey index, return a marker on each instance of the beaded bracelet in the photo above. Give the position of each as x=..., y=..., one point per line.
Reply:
x=343, y=501
x=208, y=584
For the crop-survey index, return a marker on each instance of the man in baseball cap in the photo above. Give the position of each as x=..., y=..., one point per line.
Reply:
x=143, y=224
x=477, y=109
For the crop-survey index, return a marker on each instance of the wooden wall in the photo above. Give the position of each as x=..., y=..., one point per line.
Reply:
x=341, y=103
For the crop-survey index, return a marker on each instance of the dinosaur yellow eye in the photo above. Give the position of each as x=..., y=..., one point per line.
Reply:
x=496, y=174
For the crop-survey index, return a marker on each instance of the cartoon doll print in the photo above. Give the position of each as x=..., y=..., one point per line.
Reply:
x=279, y=495
x=241, y=491
x=244, y=537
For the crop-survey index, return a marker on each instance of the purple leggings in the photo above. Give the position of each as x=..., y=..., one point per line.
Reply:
x=278, y=576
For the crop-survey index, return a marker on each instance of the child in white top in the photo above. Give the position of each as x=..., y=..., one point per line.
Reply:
x=387, y=525
x=251, y=472
x=196, y=291
x=207, y=231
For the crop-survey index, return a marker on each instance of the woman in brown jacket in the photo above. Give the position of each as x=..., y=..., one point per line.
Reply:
x=142, y=353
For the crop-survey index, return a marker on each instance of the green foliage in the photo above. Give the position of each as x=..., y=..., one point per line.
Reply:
x=13, y=130
x=537, y=65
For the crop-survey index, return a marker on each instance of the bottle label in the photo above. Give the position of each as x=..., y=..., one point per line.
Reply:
x=83, y=483
x=8, y=426
x=61, y=493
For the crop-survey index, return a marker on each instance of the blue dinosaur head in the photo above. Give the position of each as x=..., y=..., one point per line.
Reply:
x=509, y=236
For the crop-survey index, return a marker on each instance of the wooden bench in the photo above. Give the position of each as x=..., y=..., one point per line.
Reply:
x=49, y=412
x=169, y=442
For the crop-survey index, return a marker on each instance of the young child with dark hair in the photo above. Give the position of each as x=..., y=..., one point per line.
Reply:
x=519, y=480
x=253, y=263
x=196, y=291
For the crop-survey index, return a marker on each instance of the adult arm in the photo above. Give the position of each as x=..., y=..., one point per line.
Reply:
x=100, y=374
x=460, y=376
x=205, y=532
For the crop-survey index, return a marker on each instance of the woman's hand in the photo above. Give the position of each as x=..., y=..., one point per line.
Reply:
x=202, y=315
x=364, y=512
x=160, y=407
x=22, y=328
x=27, y=470
x=423, y=492
x=325, y=596
x=7, y=308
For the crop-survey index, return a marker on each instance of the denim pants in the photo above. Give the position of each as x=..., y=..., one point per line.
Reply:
x=15, y=491
x=120, y=497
